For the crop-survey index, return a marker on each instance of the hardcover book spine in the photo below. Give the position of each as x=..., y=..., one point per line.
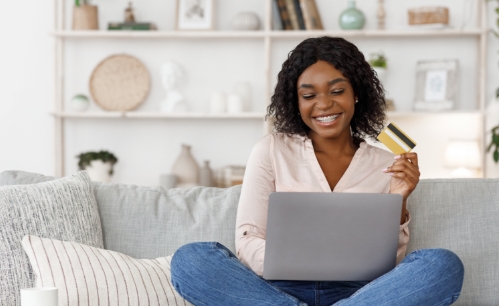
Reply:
x=315, y=18
x=299, y=15
x=276, y=17
x=290, y=5
x=306, y=14
x=283, y=11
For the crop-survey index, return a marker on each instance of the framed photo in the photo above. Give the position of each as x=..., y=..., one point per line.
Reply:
x=436, y=85
x=194, y=15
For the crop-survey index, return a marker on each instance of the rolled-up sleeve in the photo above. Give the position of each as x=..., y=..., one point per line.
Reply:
x=251, y=222
x=403, y=238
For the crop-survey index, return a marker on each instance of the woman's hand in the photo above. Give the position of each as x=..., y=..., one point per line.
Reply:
x=405, y=174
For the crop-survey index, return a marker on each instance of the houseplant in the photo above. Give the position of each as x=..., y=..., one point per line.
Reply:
x=378, y=63
x=99, y=165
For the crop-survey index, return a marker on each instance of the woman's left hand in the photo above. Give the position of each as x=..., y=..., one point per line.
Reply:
x=405, y=174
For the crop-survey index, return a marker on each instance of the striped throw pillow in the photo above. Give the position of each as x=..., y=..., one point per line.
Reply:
x=91, y=276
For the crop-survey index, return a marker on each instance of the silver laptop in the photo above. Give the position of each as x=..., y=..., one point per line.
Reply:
x=326, y=236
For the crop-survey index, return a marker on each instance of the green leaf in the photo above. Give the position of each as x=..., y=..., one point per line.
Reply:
x=497, y=10
x=496, y=155
x=495, y=33
x=497, y=93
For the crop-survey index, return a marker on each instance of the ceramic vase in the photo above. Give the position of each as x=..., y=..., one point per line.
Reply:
x=99, y=171
x=381, y=72
x=186, y=169
x=80, y=103
x=352, y=18
x=235, y=104
x=246, y=21
x=218, y=103
x=206, y=175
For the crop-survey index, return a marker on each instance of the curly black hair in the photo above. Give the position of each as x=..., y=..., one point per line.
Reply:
x=368, y=119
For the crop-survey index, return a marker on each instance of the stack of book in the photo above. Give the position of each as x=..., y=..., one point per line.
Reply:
x=131, y=26
x=296, y=15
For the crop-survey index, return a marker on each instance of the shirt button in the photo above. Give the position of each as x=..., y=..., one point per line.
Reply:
x=245, y=233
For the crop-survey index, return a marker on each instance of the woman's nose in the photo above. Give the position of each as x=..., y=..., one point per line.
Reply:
x=324, y=102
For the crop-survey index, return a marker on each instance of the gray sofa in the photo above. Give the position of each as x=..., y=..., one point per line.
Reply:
x=148, y=222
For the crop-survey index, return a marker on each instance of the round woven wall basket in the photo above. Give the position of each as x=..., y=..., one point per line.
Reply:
x=120, y=83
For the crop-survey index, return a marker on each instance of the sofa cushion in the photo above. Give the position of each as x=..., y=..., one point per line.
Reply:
x=89, y=276
x=461, y=215
x=150, y=222
x=63, y=209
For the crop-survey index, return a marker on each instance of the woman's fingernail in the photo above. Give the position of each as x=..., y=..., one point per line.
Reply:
x=391, y=173
x=397, y=157
x=384, y=170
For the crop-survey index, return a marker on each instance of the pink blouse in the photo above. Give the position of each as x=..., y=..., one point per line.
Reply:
x=279, y=162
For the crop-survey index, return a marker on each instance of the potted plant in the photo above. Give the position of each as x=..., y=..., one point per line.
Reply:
x=99, y=165
x=378, y=63
x=85, y=16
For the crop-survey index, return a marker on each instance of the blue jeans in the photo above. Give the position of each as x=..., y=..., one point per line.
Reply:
x=207, y=273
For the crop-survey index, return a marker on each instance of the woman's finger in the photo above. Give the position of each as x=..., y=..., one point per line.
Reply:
x=412, y=156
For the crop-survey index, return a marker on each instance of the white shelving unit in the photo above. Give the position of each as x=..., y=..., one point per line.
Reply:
x=268, y=37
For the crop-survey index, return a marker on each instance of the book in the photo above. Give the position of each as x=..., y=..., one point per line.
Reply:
x=311, y=15
x=299, y=14
x=276, y=17
x=131, y=26
x=290, y=5
x=283, y=11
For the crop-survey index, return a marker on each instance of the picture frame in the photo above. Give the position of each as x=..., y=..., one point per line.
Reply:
x=436, y=85
x=194, y=14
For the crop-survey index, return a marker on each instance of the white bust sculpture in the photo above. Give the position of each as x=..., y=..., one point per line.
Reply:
x=172, y=75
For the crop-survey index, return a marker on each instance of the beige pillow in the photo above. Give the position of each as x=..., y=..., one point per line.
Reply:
x=90, y=276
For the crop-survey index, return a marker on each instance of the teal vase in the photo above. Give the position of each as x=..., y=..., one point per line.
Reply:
x=352, y=18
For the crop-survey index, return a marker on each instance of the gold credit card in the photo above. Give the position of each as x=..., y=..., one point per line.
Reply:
x=396, y=140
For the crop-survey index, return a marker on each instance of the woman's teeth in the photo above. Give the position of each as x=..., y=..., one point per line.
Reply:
x=327, y=119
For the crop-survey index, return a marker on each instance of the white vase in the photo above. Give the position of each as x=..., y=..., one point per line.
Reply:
x=381, y=72
x=235, y=104
x=99, y=171
x=246, y=21
x=80, y=103
x=186, y=169
x=218, y=103
x=206, y=175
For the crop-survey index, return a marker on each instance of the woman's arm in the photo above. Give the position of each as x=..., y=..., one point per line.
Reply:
x=405, y=177
x=251, y=222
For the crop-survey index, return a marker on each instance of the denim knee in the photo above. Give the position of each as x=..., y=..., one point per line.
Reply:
x=189, y=254
x=450, y=262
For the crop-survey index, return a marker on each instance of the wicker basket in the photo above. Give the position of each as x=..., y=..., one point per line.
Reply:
x=120, y=83
x=85, y=17
x=428, y=15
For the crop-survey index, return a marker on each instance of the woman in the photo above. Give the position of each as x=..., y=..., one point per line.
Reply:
x=327, y=100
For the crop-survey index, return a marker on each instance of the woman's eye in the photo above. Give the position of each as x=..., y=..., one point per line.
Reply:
x=308, y=97
x=337, y=92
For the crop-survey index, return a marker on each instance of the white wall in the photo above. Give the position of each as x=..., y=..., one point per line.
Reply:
x=147, y=148
x=26, y=86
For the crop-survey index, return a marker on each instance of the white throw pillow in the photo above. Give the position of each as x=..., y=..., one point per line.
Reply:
x=91, y=276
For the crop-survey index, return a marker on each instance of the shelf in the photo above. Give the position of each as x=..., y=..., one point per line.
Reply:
x=157, y=115
x=159, y=34
x=263, y=34
x=248, y=115
x=414, y=114
x=377, y=33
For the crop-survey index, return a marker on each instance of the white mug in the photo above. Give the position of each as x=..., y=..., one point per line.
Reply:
x=41, y=296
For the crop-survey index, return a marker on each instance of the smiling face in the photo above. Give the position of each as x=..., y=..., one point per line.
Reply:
x=326, y=101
